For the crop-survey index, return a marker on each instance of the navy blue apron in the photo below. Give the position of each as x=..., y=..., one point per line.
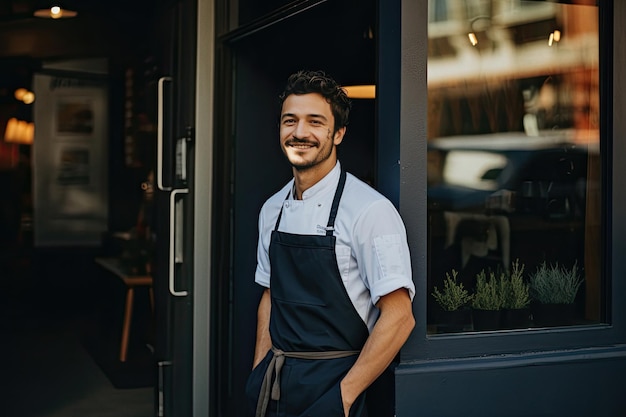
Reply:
x=311, y=314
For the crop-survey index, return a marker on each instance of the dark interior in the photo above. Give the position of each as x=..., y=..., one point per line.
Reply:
x=60, y=313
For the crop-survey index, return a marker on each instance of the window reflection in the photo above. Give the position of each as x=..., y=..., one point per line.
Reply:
x=513, y=162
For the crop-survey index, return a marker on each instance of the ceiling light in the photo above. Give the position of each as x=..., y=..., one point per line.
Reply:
x=25, y=96
x=29, y=97
x=360, y=91
x=19, y=93
x=55, y=12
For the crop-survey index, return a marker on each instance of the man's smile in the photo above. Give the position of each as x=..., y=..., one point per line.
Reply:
x=300, y=144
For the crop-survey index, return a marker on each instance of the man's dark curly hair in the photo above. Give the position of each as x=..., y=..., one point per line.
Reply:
x=305, y=82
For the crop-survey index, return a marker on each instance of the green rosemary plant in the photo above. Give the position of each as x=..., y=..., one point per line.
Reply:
x=488, y=294
x=516, y=292
x=453, y=296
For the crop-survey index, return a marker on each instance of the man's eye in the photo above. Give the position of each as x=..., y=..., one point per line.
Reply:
x=289, y=122
x=316, y=122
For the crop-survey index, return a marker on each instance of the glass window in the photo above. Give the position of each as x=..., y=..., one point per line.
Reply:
x=514, y=176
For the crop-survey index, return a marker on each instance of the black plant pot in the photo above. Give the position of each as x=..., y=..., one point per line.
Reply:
x=453, y=321
x=516, y=318
x=486, y=319
x=550, y=315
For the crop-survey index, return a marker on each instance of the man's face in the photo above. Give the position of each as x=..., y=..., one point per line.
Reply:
x=306, y=132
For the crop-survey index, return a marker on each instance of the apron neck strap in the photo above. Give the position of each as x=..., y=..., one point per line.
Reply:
x=333, y=209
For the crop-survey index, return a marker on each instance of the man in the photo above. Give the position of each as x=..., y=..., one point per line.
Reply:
x=334, y=261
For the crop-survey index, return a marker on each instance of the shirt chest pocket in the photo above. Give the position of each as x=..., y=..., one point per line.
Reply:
x=343, y=261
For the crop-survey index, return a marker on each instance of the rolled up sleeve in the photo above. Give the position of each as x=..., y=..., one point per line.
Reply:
x=385, y=258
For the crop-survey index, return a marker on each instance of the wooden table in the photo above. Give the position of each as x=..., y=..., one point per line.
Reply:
x=130, y=280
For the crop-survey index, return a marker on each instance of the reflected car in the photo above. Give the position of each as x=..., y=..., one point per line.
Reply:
x=509, y=172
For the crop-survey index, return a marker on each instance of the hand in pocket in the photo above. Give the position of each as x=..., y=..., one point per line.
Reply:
x=329, y=404
x=253, y=385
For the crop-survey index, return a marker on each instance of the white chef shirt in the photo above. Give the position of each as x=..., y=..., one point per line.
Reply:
x=371, y=246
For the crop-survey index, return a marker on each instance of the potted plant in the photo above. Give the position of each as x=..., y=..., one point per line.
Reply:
x=487, y=301
x=516, y=298
x=554, y=289
x=453, y=300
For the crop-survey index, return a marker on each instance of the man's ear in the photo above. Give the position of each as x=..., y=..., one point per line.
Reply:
x=339, y=134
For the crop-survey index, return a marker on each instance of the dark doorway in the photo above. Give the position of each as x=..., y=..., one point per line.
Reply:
x=336, y=37
x=60, y=311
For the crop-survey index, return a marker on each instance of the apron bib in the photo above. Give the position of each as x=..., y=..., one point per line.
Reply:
x=314, y=327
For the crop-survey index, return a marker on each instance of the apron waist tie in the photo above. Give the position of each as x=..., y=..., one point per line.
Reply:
x=275, y=366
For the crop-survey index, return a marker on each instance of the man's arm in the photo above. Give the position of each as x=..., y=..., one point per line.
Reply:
x=387, y=337
x=263, y=339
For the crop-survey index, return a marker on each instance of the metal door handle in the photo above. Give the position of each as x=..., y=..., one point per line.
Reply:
x=160, y=383
x=160, y=104
x=174, y=242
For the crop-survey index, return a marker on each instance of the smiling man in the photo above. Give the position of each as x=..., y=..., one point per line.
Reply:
x=334, y=261
x=307, y=137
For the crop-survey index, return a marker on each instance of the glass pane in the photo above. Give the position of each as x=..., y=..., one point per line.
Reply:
x=514, y=204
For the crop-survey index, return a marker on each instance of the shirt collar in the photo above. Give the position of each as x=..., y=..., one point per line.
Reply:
x=329, y=182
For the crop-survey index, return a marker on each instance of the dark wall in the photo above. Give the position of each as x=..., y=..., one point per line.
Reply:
x=259, y=170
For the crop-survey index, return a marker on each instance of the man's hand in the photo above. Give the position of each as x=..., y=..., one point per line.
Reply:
x=387, y=337
x=263, y=339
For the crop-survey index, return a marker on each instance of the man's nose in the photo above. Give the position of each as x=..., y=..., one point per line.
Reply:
x=301, y=130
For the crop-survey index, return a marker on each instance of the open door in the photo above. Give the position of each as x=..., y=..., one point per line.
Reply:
x=175, y=55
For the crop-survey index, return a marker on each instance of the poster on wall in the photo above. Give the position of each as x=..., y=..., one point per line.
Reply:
x=73, y=167
x=74, y=117
x=70, y=170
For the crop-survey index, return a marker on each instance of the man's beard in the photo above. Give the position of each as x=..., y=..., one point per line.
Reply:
x=322, y=156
